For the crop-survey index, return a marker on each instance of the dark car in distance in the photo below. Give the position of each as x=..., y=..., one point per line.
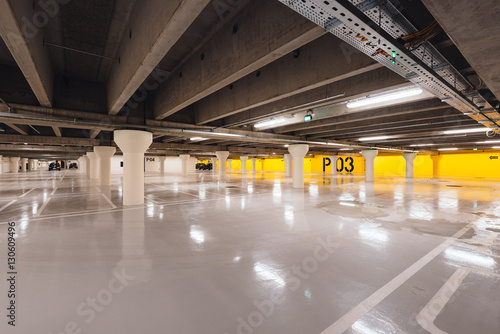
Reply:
x=54, y=166
x=202, y=166
x=73, y=165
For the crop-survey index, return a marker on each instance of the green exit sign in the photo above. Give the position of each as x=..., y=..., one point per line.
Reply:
x=307, y=118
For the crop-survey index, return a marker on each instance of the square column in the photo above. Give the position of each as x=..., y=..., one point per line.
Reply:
x=333, y=163
x=409, y=157
x=298, y=153
x=133, y=144
x=1, y=164
x=14, y=164
x=369, y=156
x=104, y=153
x=87, y=165
x=436, y=159
x=243, y=159
x=222, y=156
x=288, y=165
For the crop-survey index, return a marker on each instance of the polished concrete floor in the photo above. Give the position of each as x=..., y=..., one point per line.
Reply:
x=252, y=255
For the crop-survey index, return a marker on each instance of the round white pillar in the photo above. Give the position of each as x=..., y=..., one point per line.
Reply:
x=24, y=162
x=369, y=156
x=409, y=157
x=229, y=161
x=254, y=164
x=133, y=144
x=298, y=153
x=214, y=164
x=288, y=165
x=162, y=165
x=14, y=164
x=87, y=165
x=35, y=164
x=1, y=164
x=333, y=163
x=222, y=156
x=184, y=160
x=94, y=165
x=243, y=159
x=104, y=153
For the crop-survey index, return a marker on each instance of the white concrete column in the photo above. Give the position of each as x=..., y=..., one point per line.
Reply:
x=243, y=159
x=87, y=165
x=229, y=161
x=333, y=163
x=1, y=164
x=184, y=160
x=14, y=164
x=409, y=157
x=133, y=144
x=222, y=156
x=288, y=165
x=214, y=164
x=369, y=156
x=298, y=153
x=94, y=165
x=24, y=162
x=162, y=165
x=254, y=164
x=35, y=164
x=104, y=153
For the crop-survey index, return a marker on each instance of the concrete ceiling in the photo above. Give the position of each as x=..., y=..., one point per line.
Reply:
x=220, y=67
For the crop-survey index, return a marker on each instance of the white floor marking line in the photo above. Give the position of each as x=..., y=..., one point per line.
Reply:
x=26, y=193
x=346, y=321
x=109, y=201
x=39, y=212
x=429, y=313
x=53, y=191
x=7, y=205
x=488, y=241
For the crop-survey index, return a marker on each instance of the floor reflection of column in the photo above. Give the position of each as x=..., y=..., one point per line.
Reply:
x=134, y=261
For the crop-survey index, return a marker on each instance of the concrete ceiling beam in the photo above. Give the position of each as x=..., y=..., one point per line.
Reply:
x=25, y=42
x=320, y=63
x=265, y=31
x=155, y=27
x=371, y=82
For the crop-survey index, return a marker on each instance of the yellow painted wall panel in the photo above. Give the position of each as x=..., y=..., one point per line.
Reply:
x=470, y=165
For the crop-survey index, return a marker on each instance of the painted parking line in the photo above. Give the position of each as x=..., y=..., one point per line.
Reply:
x=39, y=212
x=429, y=313
x=26, y=193
x=109, y=201
x=7, y=205
x=53, y=191
x=346, y=321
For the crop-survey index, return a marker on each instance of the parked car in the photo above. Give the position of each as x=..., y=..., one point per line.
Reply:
x=73, y=165
x=54, y=166
x=203, y=166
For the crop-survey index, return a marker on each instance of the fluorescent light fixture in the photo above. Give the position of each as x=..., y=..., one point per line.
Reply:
x=496, y=147
x=198, y=138
x=385, y=98
x=489, y=142
x=286, y=145
x=475, y=130
x=345, y=149
x=448, y=149
x=373, y=138
x=420, y=145
x=270, y=122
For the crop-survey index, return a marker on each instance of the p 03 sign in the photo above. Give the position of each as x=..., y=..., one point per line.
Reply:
x=342, y=164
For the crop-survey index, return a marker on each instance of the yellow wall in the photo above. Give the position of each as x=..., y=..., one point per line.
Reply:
x=317, y=165
x=396, y=165
x=470, y=165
